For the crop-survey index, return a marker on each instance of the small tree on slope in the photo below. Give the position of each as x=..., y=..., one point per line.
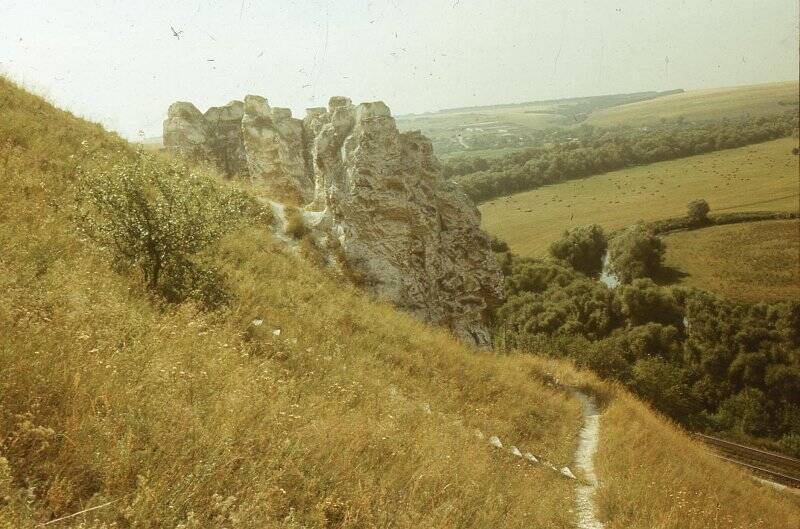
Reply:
x=159, y=217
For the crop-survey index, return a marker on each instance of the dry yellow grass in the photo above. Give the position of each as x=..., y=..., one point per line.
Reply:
x=713, y=103
x=755, y=261
x=351, y=416
x=651, y=474
x=675, y=483
x=757, y=177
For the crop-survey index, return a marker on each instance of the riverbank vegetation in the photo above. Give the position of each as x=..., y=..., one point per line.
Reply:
x=709, y=362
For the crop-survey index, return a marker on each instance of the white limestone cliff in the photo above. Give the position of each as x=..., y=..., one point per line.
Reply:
x=371, y=195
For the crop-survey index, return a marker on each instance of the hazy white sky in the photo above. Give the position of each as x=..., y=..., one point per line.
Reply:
x=118, y=62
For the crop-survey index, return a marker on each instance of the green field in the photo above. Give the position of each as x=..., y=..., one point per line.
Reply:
x=713, y=103
x=752, y=261
x=756, y=177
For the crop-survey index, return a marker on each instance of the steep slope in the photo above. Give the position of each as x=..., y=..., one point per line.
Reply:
x=335, y=411
x=303, y=404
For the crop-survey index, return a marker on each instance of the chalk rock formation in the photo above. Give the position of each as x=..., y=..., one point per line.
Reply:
x=215, y=136
x=275, y=149
x=187, y=133
x=373, y=196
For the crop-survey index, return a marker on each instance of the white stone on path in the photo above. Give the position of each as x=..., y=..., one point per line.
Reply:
x=515, y=451
x=495, y=442
x=530, y=457
x=568, y=473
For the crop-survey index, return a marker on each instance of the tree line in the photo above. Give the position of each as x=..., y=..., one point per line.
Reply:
x=588, y=150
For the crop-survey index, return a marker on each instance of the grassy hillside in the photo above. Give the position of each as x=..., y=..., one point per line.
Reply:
x=336, y=411
x=750, y=261
x=713, y=103
x=757, y=177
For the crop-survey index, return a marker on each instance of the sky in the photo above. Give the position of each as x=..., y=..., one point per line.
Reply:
x=119, y=62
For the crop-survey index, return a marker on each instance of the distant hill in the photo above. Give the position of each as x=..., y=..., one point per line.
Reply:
x=567, y=106
x=694, y=105
x=510, y=125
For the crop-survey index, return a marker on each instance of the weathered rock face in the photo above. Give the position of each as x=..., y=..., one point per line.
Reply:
x=374, y=197
x=187, y=133
x=275, y=149
x=215, y=136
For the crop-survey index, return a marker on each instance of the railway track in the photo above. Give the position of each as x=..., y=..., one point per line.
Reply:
x=777, y=468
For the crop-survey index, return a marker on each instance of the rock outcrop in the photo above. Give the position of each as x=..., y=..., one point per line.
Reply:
x=215, y=136
x=374, y=199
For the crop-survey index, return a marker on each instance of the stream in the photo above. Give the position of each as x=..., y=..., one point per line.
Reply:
x=606, y=275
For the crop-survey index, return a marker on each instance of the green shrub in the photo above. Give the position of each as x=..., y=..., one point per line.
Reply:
x=636, y=252
x=550, y=299
x=746, y=412
x=583, y=248
x=663, y=384
x=697, y=211
x=643, y=301
x=790, y=443
x=498, y=245
x=161, y=219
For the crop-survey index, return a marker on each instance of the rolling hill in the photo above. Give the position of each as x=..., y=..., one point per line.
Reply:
x=697, y=105
x=303, y=403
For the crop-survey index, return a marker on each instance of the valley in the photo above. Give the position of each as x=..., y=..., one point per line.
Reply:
x=304, y=402
x=400, y=265
x=510, y=125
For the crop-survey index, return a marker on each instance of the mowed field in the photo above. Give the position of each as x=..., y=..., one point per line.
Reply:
x=752, y=261
x=753, y=178
x=712, y=103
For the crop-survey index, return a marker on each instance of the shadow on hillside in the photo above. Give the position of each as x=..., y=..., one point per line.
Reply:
x=669, y=275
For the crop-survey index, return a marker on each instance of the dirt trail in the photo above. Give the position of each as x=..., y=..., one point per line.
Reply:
x=584, y=460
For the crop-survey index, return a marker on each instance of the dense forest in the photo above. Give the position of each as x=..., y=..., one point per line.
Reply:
x=708, y=362
x=587, y=150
